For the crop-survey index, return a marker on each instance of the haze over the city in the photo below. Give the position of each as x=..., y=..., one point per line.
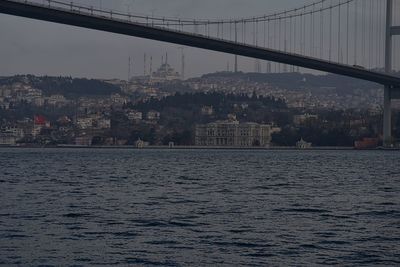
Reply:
x=67, y=50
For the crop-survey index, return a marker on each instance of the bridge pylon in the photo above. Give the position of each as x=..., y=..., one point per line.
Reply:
x=389, y=93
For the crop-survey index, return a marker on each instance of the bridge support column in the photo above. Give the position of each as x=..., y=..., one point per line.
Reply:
x=387, y=112
x=387, y=118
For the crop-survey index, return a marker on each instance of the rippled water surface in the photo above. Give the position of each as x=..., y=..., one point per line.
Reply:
x=199, y=207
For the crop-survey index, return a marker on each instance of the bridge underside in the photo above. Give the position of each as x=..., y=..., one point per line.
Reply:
x=192, y=40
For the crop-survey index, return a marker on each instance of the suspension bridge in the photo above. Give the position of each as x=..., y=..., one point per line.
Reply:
x=355, y=38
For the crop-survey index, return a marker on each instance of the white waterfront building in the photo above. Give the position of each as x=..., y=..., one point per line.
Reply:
x=232, y=133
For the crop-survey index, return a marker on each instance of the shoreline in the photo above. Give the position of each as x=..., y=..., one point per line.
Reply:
x=197, y=148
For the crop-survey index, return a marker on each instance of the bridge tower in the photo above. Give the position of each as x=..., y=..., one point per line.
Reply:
x=389, y=93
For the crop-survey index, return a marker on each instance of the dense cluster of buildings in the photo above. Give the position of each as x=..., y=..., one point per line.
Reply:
x=12, y=133
x=311, y=98
x=79, y=130
x=91, y=116
x=16, y=93
x=306, y=97
x=20, y=91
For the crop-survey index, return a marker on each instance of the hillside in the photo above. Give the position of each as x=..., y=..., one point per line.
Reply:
x=67, y=86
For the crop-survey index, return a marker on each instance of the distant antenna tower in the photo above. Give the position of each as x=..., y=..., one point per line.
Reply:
x=285, y=69
x=129, y=69
x=151, y=66
x=257, y=66
x=268, y=70
x=182, y=63
x=145, y=65
x=183, y=66
x=236, y=63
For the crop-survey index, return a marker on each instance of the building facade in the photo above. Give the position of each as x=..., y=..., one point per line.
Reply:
x=7, y=139
x=233, y=133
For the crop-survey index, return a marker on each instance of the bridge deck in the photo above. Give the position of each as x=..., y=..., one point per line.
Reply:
x=86, y=20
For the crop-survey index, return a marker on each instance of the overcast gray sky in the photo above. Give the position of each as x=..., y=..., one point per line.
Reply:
x=29, y=46
x=43, y=48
